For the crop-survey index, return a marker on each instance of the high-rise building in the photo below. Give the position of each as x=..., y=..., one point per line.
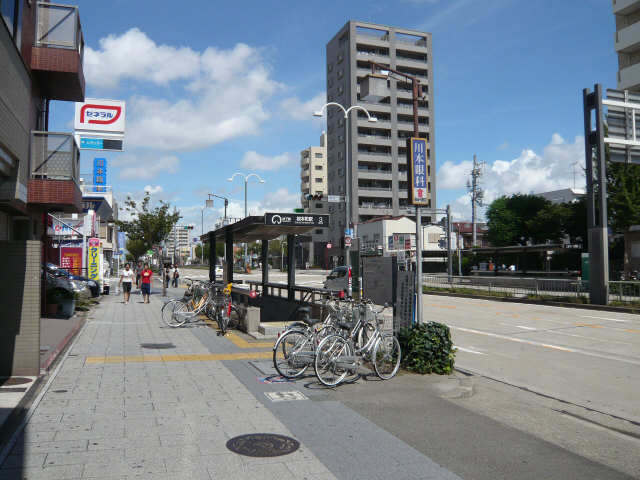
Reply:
x=180, y=236
x=377, y=151
x=313, y=170
x=627, y=43
x=313, y=182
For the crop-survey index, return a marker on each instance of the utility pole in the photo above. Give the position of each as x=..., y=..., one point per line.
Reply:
x=449, y=258
x=477, y=194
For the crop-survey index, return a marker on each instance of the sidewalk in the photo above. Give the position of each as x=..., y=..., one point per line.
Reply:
x=136, y=399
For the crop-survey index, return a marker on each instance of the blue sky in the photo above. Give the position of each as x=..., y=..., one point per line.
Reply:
x=218, y=87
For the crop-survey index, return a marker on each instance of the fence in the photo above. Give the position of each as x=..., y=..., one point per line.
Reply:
x=623, y=292
x=54, y=156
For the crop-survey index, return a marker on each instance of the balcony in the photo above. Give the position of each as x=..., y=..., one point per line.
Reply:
x=55, y=163
x=57, y=53
x=628, y=39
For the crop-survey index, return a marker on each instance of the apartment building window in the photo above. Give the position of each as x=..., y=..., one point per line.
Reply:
x=318, y=167
x=340, y=73
x=330, y=67
x=330, y=82
x=340, y=58
x=340, y=89
x=318, y=231
x=318, y=180
x=319, y=205
x=318, y=155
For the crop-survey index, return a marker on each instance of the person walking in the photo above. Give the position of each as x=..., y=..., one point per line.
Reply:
x=166, y=276
x=176, y=276
x=126, y=279
x=137, y=273
x=145, y=286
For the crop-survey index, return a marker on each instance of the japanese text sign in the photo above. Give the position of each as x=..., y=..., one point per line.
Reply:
x=418, y=183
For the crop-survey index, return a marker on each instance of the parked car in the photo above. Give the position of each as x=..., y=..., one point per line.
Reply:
x=338, y=279
x=82, y=285
x=219, y=271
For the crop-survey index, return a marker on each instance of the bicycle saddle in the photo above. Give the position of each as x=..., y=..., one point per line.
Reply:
x=304, y=310
x=311, y=321
x=346, y=325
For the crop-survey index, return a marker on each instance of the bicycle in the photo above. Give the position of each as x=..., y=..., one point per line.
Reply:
x=224, y=311
x=337, y=355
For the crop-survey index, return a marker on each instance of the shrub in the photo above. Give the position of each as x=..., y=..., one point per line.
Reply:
x=427, y=348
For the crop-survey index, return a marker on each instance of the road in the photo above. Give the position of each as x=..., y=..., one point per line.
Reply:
x=586, y=357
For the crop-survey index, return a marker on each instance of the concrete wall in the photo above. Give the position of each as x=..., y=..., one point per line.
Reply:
x=20, y=300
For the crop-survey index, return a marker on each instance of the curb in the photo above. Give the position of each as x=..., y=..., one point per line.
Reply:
x=584, y=306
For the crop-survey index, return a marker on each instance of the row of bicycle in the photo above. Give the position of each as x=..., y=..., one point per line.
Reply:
x=202, y=297
x=351, y=335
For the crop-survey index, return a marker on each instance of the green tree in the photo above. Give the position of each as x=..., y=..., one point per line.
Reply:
x=149, y=224
x=623, y=199
x=508, y=219
x=136, y=248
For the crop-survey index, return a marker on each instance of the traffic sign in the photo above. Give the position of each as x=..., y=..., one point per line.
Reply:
x=347, y=241
x=304, y=220
x=329, y=245
x=149, y=252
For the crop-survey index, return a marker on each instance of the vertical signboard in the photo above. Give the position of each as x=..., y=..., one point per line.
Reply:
x=71, y=259
x=417, y=175
x=93, y=259
x=99, y=173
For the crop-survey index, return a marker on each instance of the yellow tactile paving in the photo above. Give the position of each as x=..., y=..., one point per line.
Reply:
x=235, y=339
x=179, y=358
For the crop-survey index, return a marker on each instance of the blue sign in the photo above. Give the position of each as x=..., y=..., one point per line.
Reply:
x=418, y=184
x=91, y=143
x=99, y=173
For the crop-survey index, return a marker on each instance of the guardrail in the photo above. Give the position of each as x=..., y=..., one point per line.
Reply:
x=519, y=287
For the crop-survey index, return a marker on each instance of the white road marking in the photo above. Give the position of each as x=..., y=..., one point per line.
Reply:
x=468, y=350
x=525, y=328
x=546, y=345
x=606, y=318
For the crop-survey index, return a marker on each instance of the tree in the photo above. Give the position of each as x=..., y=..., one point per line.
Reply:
x=623, y=199
x=136, y=248
x=149, y=225
x=508, y=219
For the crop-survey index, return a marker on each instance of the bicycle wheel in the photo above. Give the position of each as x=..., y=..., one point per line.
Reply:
x=292, y=354
x=167, y=311
x=386, y=357
x=171, y=316
x=334, y=360
x=234, y=317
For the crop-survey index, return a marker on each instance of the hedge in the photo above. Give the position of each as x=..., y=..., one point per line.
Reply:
x=427, y=348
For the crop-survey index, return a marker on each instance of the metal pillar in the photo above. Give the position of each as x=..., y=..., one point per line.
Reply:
x=265, y=263
x=291, y=265
x=596, y=198
x=228, y=241
x=347, y=190
x=212, y=248
x=449, y=259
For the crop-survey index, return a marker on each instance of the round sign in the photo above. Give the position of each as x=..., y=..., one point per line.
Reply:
x=329, y=245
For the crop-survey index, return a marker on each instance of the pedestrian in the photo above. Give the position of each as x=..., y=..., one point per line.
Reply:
x=176, y=276
x=166, y=276
x=126, y=279
x=138, y=272
x=145, y=286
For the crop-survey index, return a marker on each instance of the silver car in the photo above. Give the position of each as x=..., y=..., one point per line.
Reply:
x=338, y=279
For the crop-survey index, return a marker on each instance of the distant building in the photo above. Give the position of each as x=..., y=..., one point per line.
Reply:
x=465, y=230
x=627, y=43
x=566, y=195
x=180, y=236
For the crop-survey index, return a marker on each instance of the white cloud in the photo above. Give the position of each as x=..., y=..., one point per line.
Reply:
x=528, y=173
x=452, y=176
x=222, y=96
x=299, y=110
x=254, y=161
x=153, y=190
x=141, y=167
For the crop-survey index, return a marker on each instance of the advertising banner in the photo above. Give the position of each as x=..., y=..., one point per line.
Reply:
x=93, y=262
x=417, y=177
x=100, y=115
x=71, y=259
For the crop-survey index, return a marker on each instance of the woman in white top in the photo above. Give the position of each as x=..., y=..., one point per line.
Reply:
x=126, y=278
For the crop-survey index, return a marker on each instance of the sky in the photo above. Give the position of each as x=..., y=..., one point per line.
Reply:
x=222, y=87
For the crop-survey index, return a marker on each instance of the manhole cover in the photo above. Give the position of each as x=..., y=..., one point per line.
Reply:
x=263, y=445
x=13, y=381
x=157, y=346
x=285, y=396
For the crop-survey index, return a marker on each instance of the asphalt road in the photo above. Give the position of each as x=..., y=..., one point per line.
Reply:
x=584, y=357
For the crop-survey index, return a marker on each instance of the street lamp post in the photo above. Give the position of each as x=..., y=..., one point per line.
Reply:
x=246, y=181
x=348, y=162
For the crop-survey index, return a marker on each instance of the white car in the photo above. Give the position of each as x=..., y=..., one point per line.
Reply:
x=219, y=270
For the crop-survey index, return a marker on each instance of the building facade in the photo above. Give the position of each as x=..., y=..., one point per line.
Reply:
x=180, y=235
x=41, y=56
x=627, y=43
x=565, y=195
x=375, y=153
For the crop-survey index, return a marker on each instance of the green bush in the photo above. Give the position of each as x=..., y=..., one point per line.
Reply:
x=427, y=348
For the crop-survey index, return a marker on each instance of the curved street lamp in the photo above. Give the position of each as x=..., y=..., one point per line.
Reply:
x=246, y=181
x=346, y=112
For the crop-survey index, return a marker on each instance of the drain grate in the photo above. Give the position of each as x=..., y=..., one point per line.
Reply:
x=8, y=381
x=263, y=445
x=157, y=346
x=285, y=396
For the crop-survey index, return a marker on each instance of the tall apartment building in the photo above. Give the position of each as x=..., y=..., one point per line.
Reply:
x=179, y=235
x=41, y=59
x=313, y=181
x=377, y=151
x=313, y=170
x=627, y=43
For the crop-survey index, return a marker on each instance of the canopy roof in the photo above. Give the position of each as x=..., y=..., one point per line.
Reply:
x=253, y=228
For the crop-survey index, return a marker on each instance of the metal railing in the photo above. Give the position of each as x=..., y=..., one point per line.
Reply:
x=54, y=156
x=520, y=287
x=58, y=26
x=89, y=189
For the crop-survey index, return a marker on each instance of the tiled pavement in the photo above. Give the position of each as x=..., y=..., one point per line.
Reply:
x=139, y=416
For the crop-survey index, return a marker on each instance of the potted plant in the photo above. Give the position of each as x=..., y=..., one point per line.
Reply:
x=65, y=299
